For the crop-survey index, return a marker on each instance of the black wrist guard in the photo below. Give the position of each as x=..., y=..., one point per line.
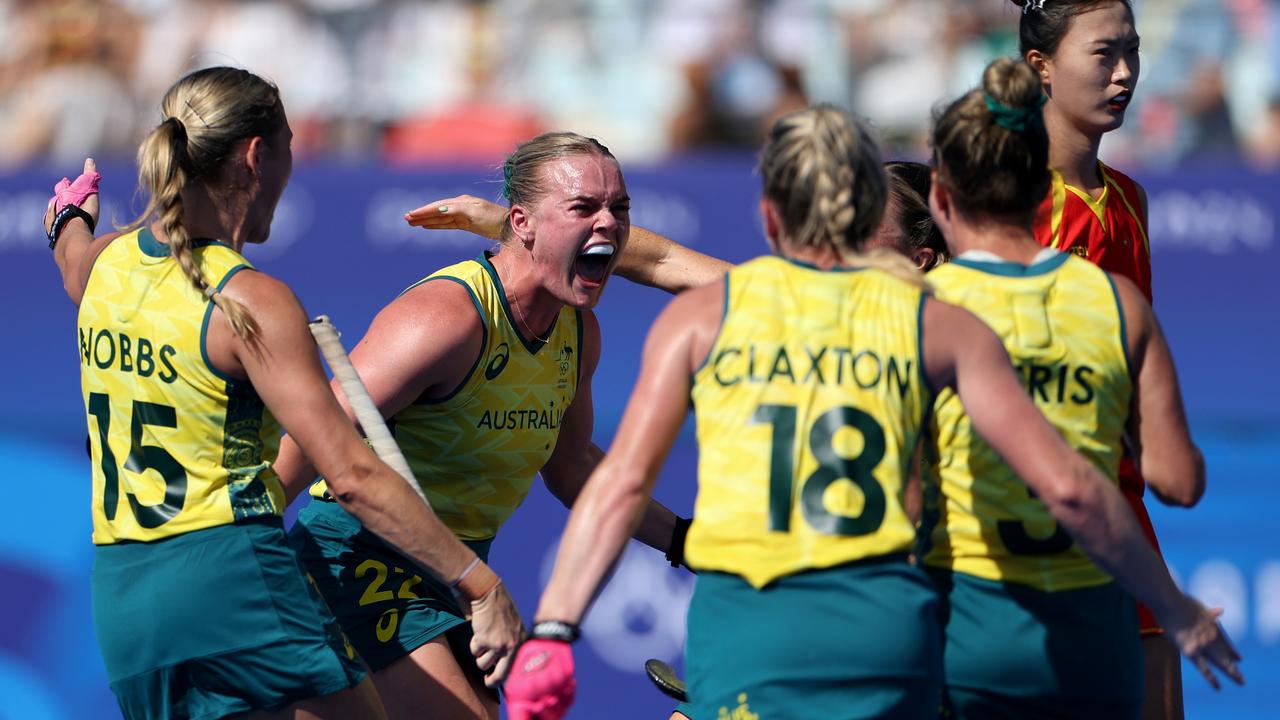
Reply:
x=675, y=552
x=555, y=630
x=63, y=217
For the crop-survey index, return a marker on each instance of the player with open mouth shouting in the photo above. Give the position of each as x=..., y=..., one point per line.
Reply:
x=483, y=369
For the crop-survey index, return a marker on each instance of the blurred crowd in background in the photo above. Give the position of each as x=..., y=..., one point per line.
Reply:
x=411, y=82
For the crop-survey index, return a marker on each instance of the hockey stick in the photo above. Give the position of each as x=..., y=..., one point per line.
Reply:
x=370, y=418
x=664, y=676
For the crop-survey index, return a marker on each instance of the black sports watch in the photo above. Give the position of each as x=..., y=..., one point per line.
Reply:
x=63, y=217
x=555, y=630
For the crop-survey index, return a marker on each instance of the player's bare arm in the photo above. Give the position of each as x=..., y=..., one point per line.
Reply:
x=611, y=504
x=648, y=258
x=1170, y=461
x=960, y=350
x=658, y=261
x=463, y=212
x=285, y=370
x=422, y=344
x=76, y=249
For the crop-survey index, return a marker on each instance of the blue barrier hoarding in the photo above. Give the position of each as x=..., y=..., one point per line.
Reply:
x=339, y=240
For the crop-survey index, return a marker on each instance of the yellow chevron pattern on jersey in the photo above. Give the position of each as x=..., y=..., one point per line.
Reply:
x=176, y=445
x=1061, y=322
x=807, y=407
x=476, y=452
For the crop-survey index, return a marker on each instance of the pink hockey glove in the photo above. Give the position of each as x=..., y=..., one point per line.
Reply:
x=541, y=684
x=75, y=193
x=68, y=199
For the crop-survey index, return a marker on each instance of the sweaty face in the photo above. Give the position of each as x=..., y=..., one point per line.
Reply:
x=1093, y=74
x=580, y=226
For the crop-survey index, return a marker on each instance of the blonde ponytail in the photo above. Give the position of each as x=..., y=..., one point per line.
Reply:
x=207, y=113
x=889, y=261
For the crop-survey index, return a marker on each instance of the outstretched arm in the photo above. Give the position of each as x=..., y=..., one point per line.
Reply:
x=657, y=261
x=76, y=249
x=963, y=352
x=648, y=258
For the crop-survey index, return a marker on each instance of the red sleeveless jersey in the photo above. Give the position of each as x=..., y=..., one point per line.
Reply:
x=1110, y=232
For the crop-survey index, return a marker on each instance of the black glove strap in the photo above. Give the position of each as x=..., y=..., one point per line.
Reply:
x=675, y=553
x=555, y=630
x=63, y=217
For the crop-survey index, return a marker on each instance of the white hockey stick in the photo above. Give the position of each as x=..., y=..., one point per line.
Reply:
x=375, y=428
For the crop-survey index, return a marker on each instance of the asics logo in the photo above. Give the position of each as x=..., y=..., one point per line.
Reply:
x=498, y=363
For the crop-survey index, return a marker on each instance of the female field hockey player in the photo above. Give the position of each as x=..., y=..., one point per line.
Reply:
x=1094, y=361
x=1086, y=54
x=484, y=370
x=651, y=259
x=191, y=362
x=810, y=374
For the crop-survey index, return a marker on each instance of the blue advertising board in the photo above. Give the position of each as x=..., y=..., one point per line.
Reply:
x=340, y=241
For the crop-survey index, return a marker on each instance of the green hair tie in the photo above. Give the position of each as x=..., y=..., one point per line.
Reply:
x=507, y=168
x=1017, y=119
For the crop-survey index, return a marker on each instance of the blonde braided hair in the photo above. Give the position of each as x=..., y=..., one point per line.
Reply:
x=822, y=169
x=207, y=114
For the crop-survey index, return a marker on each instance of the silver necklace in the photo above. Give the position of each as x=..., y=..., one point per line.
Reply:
x=520, y=314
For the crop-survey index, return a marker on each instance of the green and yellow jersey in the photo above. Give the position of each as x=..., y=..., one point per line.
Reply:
x=176, y=445
x=475, y=452
x=1062, y=324
x=807, y=406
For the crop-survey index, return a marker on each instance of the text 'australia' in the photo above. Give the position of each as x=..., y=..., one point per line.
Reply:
x=521, y=419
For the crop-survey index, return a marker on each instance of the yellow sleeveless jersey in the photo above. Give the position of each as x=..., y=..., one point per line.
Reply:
x=1061, y=322
x=475, y=453
x=808, y=406
x=176, y=445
